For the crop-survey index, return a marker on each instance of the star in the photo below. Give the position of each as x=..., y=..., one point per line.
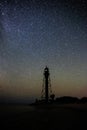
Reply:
x=37, y=33
x=3, y=13
x=15, y=9
x=66, y=44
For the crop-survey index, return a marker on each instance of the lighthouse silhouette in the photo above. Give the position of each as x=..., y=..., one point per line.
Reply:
x=46, y=88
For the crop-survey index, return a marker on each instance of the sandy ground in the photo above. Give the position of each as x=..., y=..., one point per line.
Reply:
x=51, y=117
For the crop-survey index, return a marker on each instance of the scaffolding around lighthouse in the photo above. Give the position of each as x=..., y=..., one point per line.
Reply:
x=46, y=87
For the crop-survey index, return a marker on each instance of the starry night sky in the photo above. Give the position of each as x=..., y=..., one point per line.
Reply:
x=36, y=33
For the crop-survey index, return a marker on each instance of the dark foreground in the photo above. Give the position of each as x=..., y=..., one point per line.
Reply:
x=50, y=117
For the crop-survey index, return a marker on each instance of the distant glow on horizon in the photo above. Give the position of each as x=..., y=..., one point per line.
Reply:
x=34, y=34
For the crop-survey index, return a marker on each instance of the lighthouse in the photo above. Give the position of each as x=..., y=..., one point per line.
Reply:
x=46, y=87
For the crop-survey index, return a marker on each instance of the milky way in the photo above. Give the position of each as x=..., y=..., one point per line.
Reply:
x=36, y=33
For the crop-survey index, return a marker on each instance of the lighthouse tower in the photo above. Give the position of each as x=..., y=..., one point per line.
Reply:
x=46, y=87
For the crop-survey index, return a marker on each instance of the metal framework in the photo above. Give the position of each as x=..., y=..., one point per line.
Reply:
x=46, y=86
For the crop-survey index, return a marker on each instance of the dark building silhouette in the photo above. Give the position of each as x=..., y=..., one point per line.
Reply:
x=67, y=99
